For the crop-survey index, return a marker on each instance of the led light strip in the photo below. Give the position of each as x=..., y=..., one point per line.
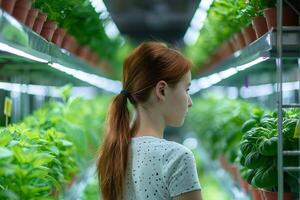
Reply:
x=100, y=82
x=197, y=22
x=9, y=49
x=110, y=27
x=43, y=90
x=208, y=81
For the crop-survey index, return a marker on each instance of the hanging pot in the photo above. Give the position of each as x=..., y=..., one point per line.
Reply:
x=8, y=5
x=39, y=22
x=290, y=18
x=21, y=10
x=32, y=15
x=48, y=30
x=249, y=34
x=260, y=25
x=58, y=36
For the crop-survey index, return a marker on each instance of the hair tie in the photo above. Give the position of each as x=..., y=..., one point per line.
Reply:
x=125, y=92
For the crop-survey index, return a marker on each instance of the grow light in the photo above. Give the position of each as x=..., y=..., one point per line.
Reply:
x=100, y=82
x=39, y=90
x=12, y=50
x=110, y=27
x=197, y=22
x=205, y=82
x=254, y=62
x=256, y=91
x=43, y=90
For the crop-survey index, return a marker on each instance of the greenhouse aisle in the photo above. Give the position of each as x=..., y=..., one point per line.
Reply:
x=61, y=65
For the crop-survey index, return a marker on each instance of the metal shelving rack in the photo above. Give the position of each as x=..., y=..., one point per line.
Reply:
x=280, y=105
x=28, y=61
x=276, y=52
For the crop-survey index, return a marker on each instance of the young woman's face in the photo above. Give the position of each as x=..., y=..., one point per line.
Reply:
x=177, y=102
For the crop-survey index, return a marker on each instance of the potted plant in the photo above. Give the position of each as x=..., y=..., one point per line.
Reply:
x=8, y=5
x=32, y=14
x=21, y=10
x=254, y=9
x=39, y=22
x=58, y=36
x=48, y=29
x=290, y=17
x=259, y=150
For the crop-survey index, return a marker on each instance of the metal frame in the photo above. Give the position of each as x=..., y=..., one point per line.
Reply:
x=280, y=152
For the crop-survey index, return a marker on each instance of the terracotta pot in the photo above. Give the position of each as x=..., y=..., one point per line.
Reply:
x=249, y=34
x=260, y=26
x=256, y=194
x=240, y=40
x=234, y=172
x=274, y=195
x=290, y=18
x=105, y=67
x=230, y=46
x=8, y=5
x=234, y=43
x=21, y=10
x=92, y=58
x=48, y=30
x=69, y=43
x=58, y=36
x=226, y=50
x=245, y=185
x=39, y=22
x=82, y=52
x=32, y=14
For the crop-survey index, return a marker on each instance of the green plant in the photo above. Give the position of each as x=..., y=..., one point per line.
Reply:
x=38, y=163
x=225, y=17
x=57, y=10
x=259, y=149
x=217, y=123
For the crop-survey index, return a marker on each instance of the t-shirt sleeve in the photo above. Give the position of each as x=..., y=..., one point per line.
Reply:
x=180, y=172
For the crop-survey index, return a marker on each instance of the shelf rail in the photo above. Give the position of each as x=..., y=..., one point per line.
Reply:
x=280, y=152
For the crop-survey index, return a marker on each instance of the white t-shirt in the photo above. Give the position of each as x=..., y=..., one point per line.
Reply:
x=159, y=169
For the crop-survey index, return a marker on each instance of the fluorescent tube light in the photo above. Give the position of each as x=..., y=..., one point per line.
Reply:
x=12, y=50
x=100, y=82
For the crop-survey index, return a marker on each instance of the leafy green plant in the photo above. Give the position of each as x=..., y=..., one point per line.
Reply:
x=45, y=152
x=218, y=124
x=259, y=149
x=38, y=163
x=57, y=10
x=71, y=14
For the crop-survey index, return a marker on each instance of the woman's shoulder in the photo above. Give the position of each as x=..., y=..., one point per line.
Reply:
x=166, y=147
x=176, y=149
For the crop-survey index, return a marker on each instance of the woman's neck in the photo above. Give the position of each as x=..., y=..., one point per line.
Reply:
x=151, y=122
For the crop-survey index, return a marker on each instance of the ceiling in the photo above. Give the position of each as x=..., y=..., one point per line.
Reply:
x=165, y=20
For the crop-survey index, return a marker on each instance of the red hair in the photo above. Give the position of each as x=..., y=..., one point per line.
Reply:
x=148, y=64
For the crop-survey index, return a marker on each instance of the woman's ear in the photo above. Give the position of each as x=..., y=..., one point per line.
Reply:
x=160, y=90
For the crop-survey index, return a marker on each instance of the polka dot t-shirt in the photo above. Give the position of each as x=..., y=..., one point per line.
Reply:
x=159, y=169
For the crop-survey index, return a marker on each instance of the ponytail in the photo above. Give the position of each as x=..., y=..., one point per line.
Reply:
x=112, y=161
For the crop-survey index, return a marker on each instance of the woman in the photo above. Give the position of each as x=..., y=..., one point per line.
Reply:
x=134, y=161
